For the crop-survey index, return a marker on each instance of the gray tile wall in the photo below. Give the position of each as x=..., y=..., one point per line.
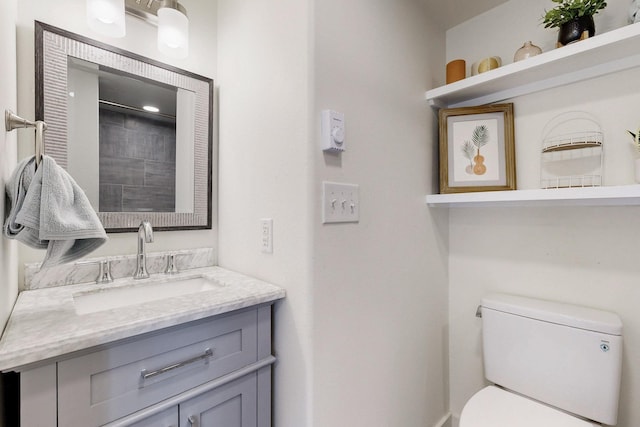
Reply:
x=137, y=163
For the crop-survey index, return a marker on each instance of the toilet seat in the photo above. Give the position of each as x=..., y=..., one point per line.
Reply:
x=495, y=407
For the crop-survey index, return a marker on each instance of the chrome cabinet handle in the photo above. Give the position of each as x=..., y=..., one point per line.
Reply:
x=147, y=375
x=193, y=422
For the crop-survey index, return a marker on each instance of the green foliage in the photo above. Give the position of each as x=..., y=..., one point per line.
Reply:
x=480, y=136
x=468, y=150
x=569, y=10
x=636, y=139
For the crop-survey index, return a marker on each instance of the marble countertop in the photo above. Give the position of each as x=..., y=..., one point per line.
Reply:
x=44, y=323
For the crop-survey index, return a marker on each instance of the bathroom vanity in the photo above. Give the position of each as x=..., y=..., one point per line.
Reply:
x=122, y=354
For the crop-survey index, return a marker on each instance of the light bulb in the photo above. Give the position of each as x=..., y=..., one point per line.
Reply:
x=173, y=32
x=106, y=17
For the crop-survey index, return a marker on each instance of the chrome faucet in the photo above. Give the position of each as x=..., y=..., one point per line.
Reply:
x=145, y=235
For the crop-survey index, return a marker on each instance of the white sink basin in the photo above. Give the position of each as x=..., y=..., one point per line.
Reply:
x=138, y=293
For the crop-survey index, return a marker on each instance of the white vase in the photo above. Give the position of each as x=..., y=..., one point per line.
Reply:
x=637, y=171
x=527, y=50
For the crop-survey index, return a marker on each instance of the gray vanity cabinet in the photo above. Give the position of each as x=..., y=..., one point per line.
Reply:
x=232, y=405
x=210, y=372
x=166, y=418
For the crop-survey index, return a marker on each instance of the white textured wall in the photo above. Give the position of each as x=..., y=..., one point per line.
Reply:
x=140, y=39
x=380, y=285
x=578, y=255
x=361, y=336
x=8, y=149
x=265, y=172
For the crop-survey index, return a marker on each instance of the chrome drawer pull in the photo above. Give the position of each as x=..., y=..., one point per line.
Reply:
x=192, y=421
x=147, y=375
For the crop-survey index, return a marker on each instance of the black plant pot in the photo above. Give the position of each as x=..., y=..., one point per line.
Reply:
x=573, y=31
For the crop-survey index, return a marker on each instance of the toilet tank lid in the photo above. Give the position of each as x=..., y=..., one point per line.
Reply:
x=570, y=315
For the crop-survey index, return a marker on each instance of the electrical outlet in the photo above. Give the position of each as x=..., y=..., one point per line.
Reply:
x=340, y=202
x=267, y=235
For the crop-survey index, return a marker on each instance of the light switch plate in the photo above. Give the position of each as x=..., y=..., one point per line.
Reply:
x=340, y=202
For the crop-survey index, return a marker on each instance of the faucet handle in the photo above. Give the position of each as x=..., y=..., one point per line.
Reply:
x=172, y=264
x=104, y=274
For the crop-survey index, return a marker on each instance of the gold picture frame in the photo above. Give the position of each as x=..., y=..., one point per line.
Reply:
x=477, y=149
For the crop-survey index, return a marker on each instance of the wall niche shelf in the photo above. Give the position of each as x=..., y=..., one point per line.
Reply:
x=624, y=195
x=616, y=50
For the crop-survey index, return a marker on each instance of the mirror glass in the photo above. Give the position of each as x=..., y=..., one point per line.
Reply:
x=135, y=134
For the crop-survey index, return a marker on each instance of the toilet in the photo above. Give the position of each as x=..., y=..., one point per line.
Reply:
x=550, y=365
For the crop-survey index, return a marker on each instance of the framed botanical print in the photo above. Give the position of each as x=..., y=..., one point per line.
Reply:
x=477, y=149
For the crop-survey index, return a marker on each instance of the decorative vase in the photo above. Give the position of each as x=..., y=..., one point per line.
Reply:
x=486, y=64
x=638, y=171
x=526, y=51
x=579, y=29
x=456, y=70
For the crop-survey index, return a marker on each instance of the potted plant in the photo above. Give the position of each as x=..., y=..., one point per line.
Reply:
x=636, y=144
x=573, y=18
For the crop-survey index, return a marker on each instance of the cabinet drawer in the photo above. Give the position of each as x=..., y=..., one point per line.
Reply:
x=108, y=384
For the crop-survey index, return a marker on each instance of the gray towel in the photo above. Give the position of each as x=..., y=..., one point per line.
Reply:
x=48, y=210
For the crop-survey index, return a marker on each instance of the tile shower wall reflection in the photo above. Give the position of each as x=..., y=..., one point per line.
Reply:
x=137, y=163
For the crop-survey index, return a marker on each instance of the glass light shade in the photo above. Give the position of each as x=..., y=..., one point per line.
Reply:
x=173, y=32
x=106, y=17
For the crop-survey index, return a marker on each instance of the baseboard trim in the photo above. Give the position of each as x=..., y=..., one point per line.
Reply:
x=443, y=421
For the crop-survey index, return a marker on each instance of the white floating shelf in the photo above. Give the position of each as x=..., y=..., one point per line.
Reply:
x=602, y=54
x=626, y=195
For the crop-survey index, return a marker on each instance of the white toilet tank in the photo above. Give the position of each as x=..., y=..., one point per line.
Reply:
x=564, y=355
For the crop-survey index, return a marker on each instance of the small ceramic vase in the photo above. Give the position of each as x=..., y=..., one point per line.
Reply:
x=456, y=70
x=526, y=51
x=637, y=171
x=486, y=64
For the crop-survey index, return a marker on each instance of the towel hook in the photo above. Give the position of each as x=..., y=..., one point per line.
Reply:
x=13, y=121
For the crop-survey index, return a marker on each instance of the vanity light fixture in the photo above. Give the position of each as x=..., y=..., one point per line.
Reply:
x=173, y=29
x=107, y=17
x=151, y=109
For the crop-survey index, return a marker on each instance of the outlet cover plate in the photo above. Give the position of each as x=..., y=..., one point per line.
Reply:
x=266, y=243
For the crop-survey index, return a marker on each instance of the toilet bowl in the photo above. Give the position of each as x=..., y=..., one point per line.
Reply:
x=495, y=407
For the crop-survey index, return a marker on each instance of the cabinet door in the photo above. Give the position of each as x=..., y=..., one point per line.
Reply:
x=168, y=418
x=232, y=405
